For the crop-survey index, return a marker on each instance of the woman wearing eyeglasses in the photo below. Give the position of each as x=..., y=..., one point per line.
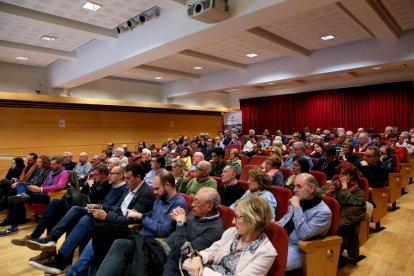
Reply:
x=259, y=185
x=235, y=160
x=244, y=249
x=180, y=172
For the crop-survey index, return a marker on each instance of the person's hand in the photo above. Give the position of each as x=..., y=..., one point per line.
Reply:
x=133, y=214
x=179, y=214
x=294, y=201
x=34, y=189
x=94, y=206
x=344, y=182
x=364, y=163
x=194, y=266
x=98, y=214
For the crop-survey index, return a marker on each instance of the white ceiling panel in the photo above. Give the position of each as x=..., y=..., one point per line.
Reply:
x=140, y=74
x=112, y=13
x=306, y=30
x=35, y=59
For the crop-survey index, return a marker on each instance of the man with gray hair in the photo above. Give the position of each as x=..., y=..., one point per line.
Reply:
x=404, y=141
x=201, y=180
x=373, y=169
x=119, y=152
x=198, y=229
x=307, y=217
x=363, y=142
x=197, y=157
x=67, y=161
x=251, y=134
x=298, y=150
x=231, y=189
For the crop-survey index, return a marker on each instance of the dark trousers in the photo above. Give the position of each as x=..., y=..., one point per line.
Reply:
x=350, y=235
x=53, y=214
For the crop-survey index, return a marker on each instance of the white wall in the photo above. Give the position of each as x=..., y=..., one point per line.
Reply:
x=22, y=78
x=211, y=99
x=118, y=90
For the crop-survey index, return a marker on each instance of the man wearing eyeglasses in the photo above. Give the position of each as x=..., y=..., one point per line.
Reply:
x=373, y=169
x=201, y=180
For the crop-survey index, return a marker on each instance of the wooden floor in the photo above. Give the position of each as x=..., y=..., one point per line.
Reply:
x=389, y=252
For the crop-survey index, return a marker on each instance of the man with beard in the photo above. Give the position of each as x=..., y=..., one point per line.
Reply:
x=307, y=217
x=200, y=228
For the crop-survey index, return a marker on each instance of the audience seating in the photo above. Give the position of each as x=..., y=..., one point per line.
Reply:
x=320, y=177
x=257, y=160
x=138, y=160
x=218, y=180
x=286, y=173
x=395, y=183
x=282, y=196
x=234, y=146
x=244, y=184
x=189, y=199
x=364, y=225
x=227, y=216
x=320, y=256
x=36, y=209
x=244, y=159
x=279, y=238
x=360, y=155
x=266, y=151
x=245, y=173
x=380, y=197
x=314, y=161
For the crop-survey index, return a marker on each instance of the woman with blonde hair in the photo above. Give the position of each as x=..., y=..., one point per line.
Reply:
x=180, y=172
x=242, y=250
x=235, y=160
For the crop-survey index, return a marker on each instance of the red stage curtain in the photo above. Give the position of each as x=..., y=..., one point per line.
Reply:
x=374, y=106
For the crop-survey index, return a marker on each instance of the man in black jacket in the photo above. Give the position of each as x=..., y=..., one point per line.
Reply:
x=373, y=169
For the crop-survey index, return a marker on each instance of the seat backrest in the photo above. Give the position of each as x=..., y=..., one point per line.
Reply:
x=333, y=204
x=138, y=160
x=218, y=180
x=402, y=153
x=286, y=172
x=364, y=185
x=245, y=173
x=257, y=160
x=189, y=199
x=227, y=216
x=360, y=155
x=320, y=177
x=282, y=196
x=174, y=154
x=314, y=161
x=397, y=166
x=244, y=184
x=234, y=146
x=244, y=159
x=279, y=238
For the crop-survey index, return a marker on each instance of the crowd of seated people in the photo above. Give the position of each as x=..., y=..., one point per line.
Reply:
x=148, y=187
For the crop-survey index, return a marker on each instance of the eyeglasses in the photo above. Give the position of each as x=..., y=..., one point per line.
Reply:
x=366, y=155
x=383, y=153
x=200, y=169
x=114, y=173
x=237, y=217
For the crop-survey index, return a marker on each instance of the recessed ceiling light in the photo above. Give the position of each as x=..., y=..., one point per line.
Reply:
x=91, y=6
x=48, y=38
x=377, y=68
x=233, y=89
x=197, y=67
x=327, y=37
x=158, y=78
x=271, y=83
x=251, y=55
x=22, y=58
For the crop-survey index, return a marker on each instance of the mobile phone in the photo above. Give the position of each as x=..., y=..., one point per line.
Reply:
x=187, y=249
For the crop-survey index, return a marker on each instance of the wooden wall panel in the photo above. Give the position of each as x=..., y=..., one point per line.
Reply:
x=24, y=130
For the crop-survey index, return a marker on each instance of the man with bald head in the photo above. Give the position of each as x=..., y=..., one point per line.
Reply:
x=201, y=180
x=119, y=152
x=200, y=229
x=231, y=189
x=83, y=168
x=307, y=217
x=363, y=142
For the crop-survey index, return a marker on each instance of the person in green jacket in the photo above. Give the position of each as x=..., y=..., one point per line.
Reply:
x=201, y=180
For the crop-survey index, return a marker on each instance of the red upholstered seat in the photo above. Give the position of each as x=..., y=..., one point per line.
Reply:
x=189, y=199
x=244, y=159
x=333, y=204
x=234, y=146
x=279, y=238
x=245, y=173
x=320, y=177
x=257, y=160
x=282, y=196
x=218, y=180
x=286, y=173
x=244, y=184
x=227, y=216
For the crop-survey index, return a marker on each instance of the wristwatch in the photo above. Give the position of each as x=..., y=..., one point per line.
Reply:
x=180, y=223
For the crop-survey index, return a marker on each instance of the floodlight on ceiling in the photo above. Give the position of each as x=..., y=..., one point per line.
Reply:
x=139, y=19
x=22, y=58
x=121, y=29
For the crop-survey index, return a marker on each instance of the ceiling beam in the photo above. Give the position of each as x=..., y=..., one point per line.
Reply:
x=99, y=32
x=111, y=78
x=213, y=59
x=351, y=74
x=366, y=13
x=291, y=48
x=168, y=72
x=38, y=49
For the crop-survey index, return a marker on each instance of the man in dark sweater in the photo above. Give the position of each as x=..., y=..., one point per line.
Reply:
x=231, y=189
x=141, y=256
x=373, y=169
x=328, y=163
